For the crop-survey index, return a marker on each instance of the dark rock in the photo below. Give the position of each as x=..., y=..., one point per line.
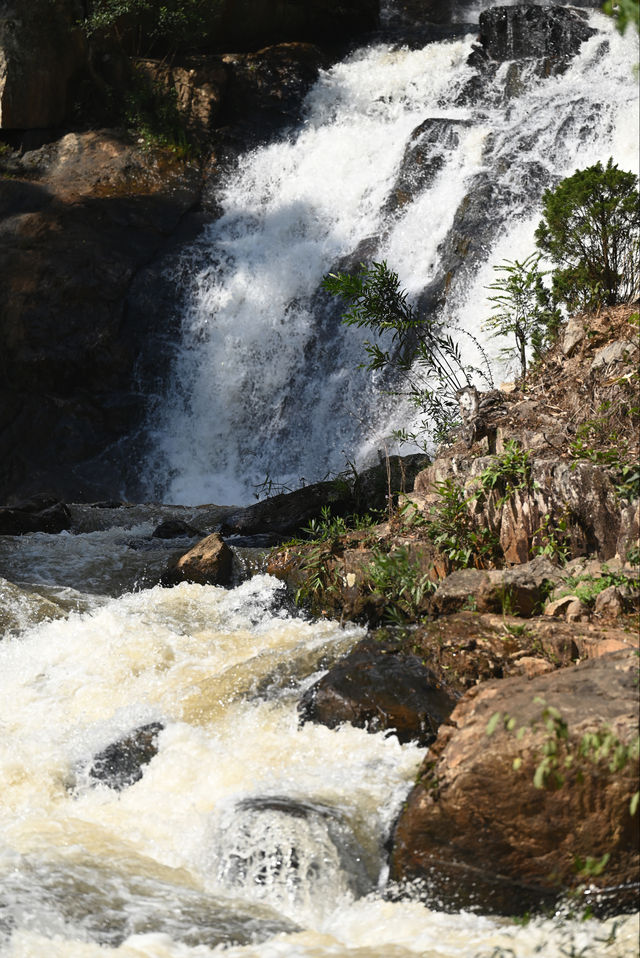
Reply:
x=39, y=514
x=120, y=764
x=209, y=562
x=479, y=834
x=175, y=529
x=531, y=31
x=42, y=50
x=424, y=157
x=379, y=686
x=288, y=513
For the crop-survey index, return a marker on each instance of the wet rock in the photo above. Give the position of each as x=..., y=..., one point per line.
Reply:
x=41, y=513
x=527, y=31
x=209, y=562
x=288, y=513
x=478, y=833
x=379, y=686
x=175, y=529
x=120, y=765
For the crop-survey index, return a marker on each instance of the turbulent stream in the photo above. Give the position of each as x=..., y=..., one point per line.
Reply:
x=246, y=835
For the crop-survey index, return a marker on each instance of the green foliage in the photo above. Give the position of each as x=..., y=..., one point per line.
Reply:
x=507, y=473
x=597, y=441
x=329, y=527
x=319, y=575
x=591, y=231
x=418, y=347
x=552, y=539
x=588, y=587
x=396, y=577
x=522, y=309
x=150, y=112
x=453, y=530
x=558, y=753
x=625, y=12
x=143, y=26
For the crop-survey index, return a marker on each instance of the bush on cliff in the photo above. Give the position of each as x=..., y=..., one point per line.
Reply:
x=143, y=27
x=591, y=231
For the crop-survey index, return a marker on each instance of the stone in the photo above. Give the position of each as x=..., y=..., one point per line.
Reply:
x=42, y=51
x=477, y=833
x=621, y=351
x=209, y=562
x=42, y=513
x=120, y=764
x=378, y=686
x=175, y=529
x=518, y=590
x=574, y=334
x=610, y=603
x=527, y=31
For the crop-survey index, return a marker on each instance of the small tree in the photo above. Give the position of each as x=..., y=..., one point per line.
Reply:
x=424, y=357
x=591, y=231
x=522, y=309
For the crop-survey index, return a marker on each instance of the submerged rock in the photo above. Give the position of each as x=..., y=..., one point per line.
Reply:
x=379, y=686
x=514, y=798
x=120, y=764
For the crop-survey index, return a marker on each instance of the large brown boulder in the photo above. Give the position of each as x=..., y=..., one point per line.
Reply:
x=208, y=562
x=517, y=801
x=41, y=51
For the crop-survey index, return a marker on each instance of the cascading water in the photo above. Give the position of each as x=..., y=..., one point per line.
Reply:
x=242, y=834
x=267, y=381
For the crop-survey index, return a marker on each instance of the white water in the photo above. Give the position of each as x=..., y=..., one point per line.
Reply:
x=247, y=836
x=267, y=384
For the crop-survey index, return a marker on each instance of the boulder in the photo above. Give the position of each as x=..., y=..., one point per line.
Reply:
x=379, y=686
x=175, y=529
x=515, y=798
x=209, y=562
x=527, y=31
x=519, y=590
x=119, y=765
x=41, y=513
x=41, y=53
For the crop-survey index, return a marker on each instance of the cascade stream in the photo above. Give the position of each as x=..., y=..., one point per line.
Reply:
x=243, y=834
x=403, y=156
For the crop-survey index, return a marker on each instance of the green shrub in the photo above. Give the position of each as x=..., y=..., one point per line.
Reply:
x=625, y=12
x=522, y=309
x=591, y=231
x=420, y=351
x=144, y=27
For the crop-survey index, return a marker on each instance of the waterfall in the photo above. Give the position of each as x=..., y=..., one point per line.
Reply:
x=266, y=384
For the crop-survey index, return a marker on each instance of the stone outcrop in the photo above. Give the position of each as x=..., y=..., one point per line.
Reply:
x=478, y=832
x=42, y=52
x=531, y=31
x=41, y=513
x=209, y=562
x=380, y=686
